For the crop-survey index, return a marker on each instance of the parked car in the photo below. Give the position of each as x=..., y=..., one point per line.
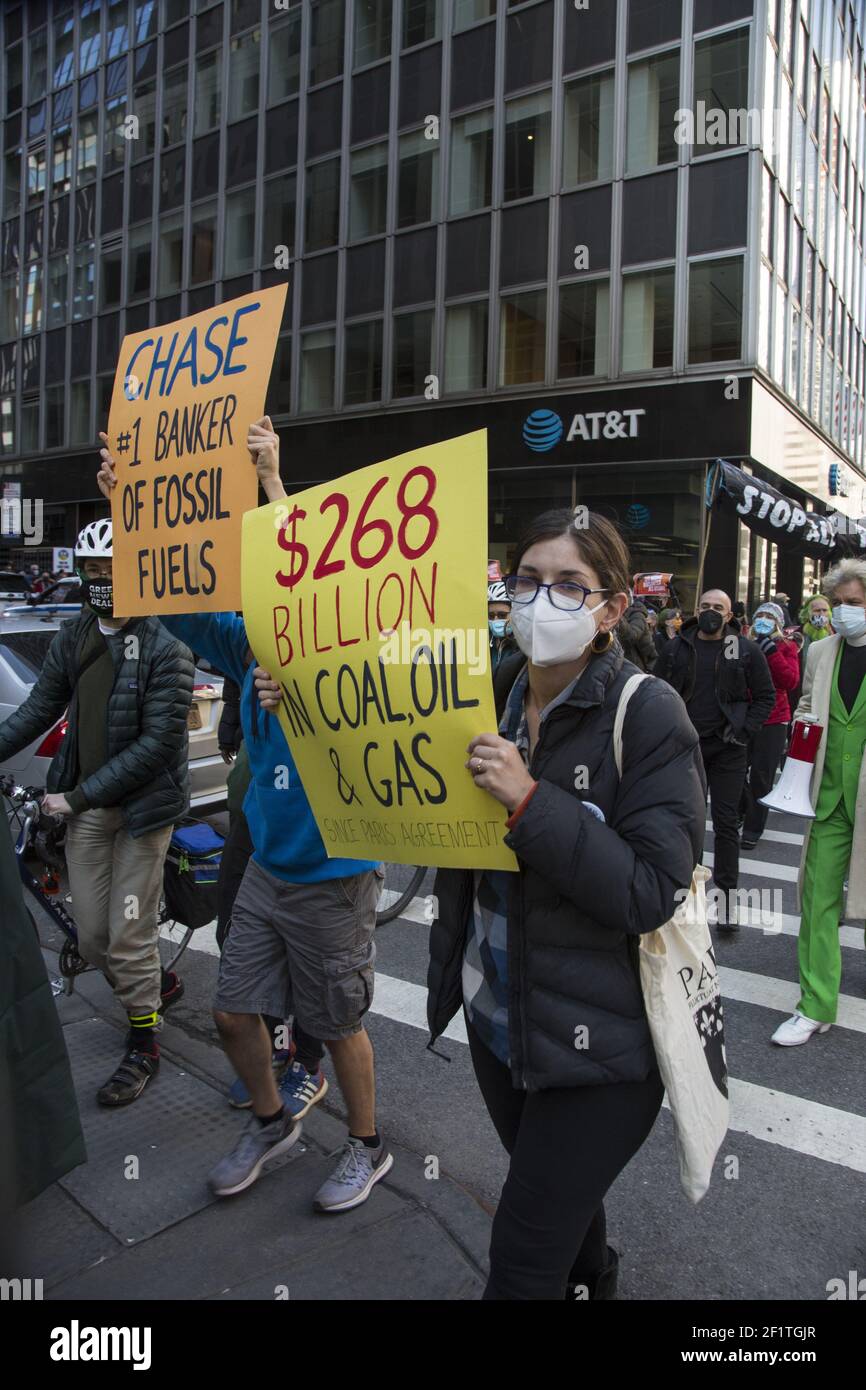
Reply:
x=14, y=587
x=25, y=636
x=65, y=593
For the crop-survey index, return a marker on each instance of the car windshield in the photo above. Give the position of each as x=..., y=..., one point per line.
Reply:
x=13, y=584
x=25, y=652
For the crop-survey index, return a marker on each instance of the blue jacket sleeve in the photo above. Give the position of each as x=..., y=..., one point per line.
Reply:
x=220, y=638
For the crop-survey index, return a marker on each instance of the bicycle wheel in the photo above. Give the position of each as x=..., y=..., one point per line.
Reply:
x=397, y=891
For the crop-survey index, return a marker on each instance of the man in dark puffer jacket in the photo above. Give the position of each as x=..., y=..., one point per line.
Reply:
x=121, y=776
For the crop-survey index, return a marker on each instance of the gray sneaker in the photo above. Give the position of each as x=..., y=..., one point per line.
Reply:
x=354, y=1177
x=240, y=1168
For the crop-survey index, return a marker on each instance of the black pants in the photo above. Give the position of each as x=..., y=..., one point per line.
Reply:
x=567, y=1147
x=236, y=853
x=765, y=754
x=725, y=766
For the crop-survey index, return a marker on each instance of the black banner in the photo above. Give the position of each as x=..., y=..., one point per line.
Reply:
x=778, y=519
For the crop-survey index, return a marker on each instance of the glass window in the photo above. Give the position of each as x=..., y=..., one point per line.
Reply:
x=418, y=179
x=58, y=276
x=587, y=152
x=584, y=329
x=716, y=310
x=64, y=50
x=284, y=71
x=372, y=31
x=61, y=173
x=144, y=107
x=169, y=261
x=472, y=162
x=110, y=282
x=203, y=259
x=79, y=413
x=29, y=426
x=83, y=280
x=88, y=127
x=722, y=91
x=14, y=77
x=244, y=65
x=239, y=252
x=280, y=386
x=11, y=183
x=363, y=367
x=420, y=21
x=527, y=147
x=653, y=99
x=648, y=321
x=89, y=20
x=522, y=328
x=468, y=12
x=38, y=49
x=55, y=397
x=9, y=326
x=208, y=89
x=117, y=28
x=327, y=19
x=317, y=370
x=33, y=299
x=323, y=204
x=138, y=263
x=114, y=135
x=174, y=107
x=466, y=346
x=278, y=231
x=368, y=191
x=413, y=337
x=36, y=175
x=7, y=425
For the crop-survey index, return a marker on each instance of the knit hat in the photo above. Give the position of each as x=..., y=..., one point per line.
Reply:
x=774, y=610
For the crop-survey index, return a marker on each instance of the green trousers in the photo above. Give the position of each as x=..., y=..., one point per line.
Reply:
x=819, y=952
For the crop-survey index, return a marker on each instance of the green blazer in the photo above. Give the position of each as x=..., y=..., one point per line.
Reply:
x=845, y=742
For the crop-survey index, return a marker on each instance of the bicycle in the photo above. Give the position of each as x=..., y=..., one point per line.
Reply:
x=41, y=836
x=399, y=896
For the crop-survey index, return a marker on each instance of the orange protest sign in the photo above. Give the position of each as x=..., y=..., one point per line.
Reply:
x=184, y=397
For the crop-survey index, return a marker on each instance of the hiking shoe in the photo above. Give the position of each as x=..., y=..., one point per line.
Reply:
x=300, y=1089
x=257, y=1143
x=239, y=1096
x=171, y=989
x=354, y=1177
x=130, y=1079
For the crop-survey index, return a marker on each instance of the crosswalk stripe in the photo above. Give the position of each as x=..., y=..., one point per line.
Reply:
x=784, y=995
x=781, y=837
x=759, y=868
x=821, y=1131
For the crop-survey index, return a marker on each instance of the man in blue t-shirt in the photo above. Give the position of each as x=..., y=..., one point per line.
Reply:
x=302, y=937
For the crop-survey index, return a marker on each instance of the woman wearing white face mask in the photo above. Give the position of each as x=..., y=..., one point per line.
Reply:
x=768, y=744
x=834, y=690
x=546, y=959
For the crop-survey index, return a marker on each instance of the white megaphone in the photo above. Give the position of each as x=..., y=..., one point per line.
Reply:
x=791, y=792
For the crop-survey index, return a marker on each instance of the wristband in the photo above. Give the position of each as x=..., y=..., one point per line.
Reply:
x=518, y=810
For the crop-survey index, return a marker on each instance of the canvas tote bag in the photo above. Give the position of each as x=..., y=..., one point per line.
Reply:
x=680, y=984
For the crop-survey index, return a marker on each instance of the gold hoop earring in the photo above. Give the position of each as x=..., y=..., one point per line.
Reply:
x=596, y=648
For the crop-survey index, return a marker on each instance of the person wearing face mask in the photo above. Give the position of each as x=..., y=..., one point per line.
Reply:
x=540, y=953
x=121, y=777
x=669, y=623
x=815, y=620
x=498, y=622
x=729, y=693
x=768, y=744
x=834, y=691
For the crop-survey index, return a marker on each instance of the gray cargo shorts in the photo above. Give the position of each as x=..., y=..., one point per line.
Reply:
x=306, y=949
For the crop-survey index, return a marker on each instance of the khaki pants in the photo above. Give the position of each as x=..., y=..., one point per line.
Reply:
x=115, y=882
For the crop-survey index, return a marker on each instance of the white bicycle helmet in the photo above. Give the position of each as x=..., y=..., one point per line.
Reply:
x=94, y=542
x=496, y=592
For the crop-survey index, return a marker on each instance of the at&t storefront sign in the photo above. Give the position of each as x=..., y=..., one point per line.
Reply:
x=543, y=429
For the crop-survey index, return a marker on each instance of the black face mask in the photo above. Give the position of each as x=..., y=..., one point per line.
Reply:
x=710, y=621
x=99, y=593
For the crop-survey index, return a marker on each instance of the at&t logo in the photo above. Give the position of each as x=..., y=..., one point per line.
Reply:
x=543, y=429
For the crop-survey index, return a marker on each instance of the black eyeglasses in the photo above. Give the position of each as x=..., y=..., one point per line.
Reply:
x=520, y=588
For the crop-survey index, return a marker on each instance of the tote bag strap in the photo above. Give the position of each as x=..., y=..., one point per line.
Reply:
x=628, y=690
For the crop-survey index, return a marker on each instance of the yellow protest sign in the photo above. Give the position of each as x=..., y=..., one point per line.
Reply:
x=366, y=599
x=184, y=397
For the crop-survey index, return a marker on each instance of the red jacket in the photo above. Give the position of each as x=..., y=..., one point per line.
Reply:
x=784, y=664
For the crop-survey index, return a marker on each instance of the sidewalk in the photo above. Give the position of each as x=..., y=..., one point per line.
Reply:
x=138, y=1221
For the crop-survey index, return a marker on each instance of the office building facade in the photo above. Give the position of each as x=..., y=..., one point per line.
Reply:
x=625, y=237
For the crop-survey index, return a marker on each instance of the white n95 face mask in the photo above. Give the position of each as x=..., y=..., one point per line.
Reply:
x=849, y=620
x=550, y=636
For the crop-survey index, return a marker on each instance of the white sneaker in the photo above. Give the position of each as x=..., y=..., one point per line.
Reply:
x=797, y=1029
